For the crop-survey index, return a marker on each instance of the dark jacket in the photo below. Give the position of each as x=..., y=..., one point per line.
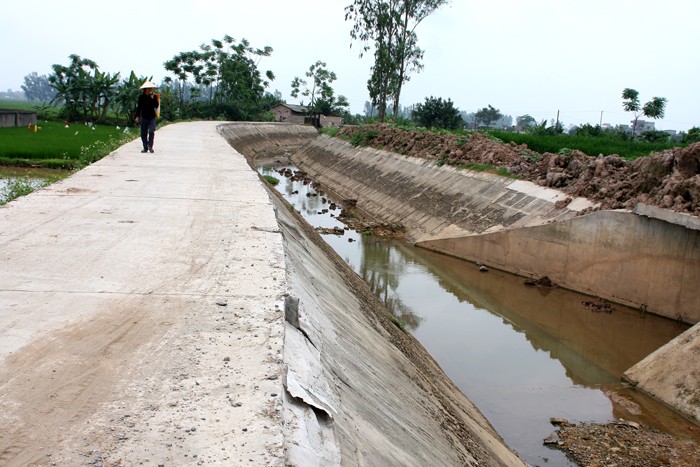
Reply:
x=146, y=107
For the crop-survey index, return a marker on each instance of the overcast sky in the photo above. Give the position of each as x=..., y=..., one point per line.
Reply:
x=532, y=57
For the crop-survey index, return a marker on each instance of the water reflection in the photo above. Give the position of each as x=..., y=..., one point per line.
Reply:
x=522, y=354
x=382, y=268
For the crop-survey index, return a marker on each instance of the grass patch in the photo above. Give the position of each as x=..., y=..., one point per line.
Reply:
x=364, y=137
x=503, y=172
x=331, y=131
x=54, y=146
x=271, y=180
x=590, y=145
x=397, y=322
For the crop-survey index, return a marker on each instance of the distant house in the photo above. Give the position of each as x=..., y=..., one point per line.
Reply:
x=642, y=126
x=11, y=117
x=291, y=113
x=330, y=120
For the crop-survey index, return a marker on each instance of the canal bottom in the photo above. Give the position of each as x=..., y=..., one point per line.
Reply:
x=522, y=354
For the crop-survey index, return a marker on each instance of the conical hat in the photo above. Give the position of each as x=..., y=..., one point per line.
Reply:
x=148, y=84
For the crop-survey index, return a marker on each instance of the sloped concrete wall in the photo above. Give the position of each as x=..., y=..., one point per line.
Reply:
x=671, y=374
x=267, y=139
x=360, y=391
x=429, y=200
x=636, y=260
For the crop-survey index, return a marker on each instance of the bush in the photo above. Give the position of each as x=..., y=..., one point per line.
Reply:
x=271, y=180
x=364, y=137
x=692, y=136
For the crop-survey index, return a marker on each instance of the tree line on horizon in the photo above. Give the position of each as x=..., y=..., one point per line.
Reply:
x=221, y=80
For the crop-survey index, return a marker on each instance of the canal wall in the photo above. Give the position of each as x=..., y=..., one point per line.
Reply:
x=259, y=140
x=359, y=390
x=621, y=256
x=431, y=201
x=671, y=374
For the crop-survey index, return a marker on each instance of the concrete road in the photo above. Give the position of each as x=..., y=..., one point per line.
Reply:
x=141, y=312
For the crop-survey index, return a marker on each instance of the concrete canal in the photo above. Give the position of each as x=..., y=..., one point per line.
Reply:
x=522, y=354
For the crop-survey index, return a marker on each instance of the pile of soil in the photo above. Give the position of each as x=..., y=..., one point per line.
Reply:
x=668, y=179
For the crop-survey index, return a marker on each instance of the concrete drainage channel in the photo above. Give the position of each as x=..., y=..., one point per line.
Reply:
x=522, y=354
x=531, y=231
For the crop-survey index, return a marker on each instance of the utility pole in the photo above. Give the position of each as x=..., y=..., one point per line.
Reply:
x=601, y=119
x=556, y=125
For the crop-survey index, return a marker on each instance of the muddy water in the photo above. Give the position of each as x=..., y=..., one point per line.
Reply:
x=522, y=354
x=37, y=177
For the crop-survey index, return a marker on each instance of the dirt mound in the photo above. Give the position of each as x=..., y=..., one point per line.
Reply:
x=669, y=179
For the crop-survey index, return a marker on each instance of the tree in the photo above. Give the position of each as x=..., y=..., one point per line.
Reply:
x=438, y=113
x=318, y=88
x=589, y=130
x=525, y=121
x=487, y=116
x=38, y=88
x=332, y=106
x=228, y=69
x=655, y=108
x=391, y=26
x=692, y=136
x=85, y=91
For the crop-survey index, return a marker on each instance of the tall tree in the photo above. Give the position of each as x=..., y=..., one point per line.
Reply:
x=655, y=108
x=85, y=91
x=391, y=26
x=38, y=88
x=525, y=121
x=229, y=70
x=318, y=87
x=488, y=115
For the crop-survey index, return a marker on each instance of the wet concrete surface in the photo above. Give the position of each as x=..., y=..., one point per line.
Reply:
x=522, y=354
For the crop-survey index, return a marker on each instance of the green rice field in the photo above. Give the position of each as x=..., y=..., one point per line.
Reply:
x=54, y=145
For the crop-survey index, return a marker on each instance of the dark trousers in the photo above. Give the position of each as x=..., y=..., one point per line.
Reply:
x=148, y=130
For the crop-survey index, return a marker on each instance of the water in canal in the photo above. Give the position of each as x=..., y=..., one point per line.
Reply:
x=522, y=354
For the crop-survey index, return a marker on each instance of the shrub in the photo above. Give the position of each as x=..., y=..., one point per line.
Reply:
x=271, y=180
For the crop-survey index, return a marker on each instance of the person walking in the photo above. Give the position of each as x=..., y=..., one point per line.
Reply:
x=146, y=112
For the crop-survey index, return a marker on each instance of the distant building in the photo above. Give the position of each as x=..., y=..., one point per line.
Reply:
x=330, y=120
x=291, y=113
x=642, y=126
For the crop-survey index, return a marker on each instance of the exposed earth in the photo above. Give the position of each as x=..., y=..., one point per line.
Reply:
x=669, y=179
x=622, y=443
